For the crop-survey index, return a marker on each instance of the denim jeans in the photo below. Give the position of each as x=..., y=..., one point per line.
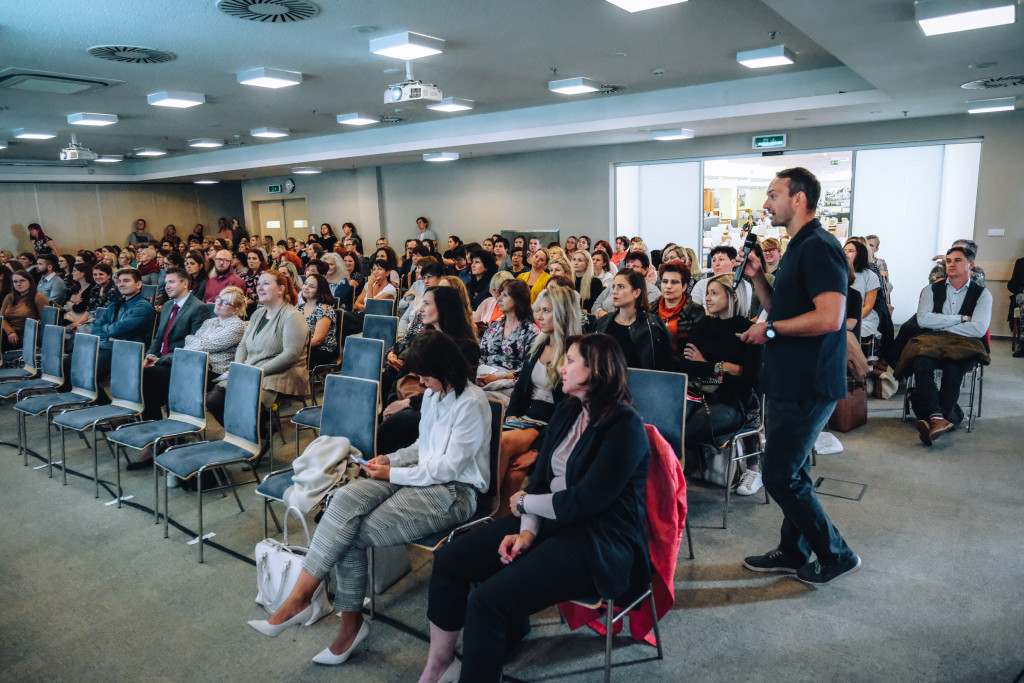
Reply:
x=791, y=429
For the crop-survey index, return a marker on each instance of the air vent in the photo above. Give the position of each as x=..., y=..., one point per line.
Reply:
x=273, y=11
x=235, y=143
x=131, y=54
x=391, y=119
x=610, y=89
x=994, y=83
x=50, y=82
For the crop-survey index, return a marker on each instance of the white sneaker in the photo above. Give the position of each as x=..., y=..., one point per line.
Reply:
x=750, y=483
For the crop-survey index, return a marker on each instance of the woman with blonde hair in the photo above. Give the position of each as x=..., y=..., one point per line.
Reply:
x=588, y=286
x=556, y=251
x=559, y=265
x=489, y=311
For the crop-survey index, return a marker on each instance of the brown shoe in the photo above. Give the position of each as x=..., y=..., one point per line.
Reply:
x=924, y=430
x=938, y=427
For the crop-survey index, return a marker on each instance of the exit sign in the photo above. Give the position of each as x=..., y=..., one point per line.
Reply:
x=834, y=162
x=274, y=189
x=769, y=141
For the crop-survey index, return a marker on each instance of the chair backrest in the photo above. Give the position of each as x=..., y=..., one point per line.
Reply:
x=497, y=420
x=380, y=306
x=149, y=292
x=186, y=396
x=28, y=341
x=84, y=358
x=383, y=327
x=344, y=296
x=213, y=308
x=660, y=398
x=363, y=359
x=51, y=316
x=51, y=361
x=350, y=410
x=126, y=373
x=242, y=406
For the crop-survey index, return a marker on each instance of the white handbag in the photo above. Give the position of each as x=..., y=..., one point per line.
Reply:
x=278, y=564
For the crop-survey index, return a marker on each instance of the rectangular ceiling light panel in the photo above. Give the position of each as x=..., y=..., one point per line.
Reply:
x=574, y=86
x=87, y=119
x=356, y=119
x=176, y=99
x=205, y=142
x=776, y=55
x=641, y=5
x=949, y=16
x=407, y=45
x=452, y=104
x=33, y=134
x=988, y=106
x=269, y=132
x=441, y=156
x=150, y=152
x=269, y=78
x=672, y=134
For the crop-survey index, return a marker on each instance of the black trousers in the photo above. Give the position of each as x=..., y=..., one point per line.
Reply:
x=927, y=399
x=554, y=570
x=156, y=384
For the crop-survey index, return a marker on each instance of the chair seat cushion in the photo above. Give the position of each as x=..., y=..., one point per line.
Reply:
x=186, y=460
x=308, y=417
x=13, y=354
x=36, y=405
x=14, y=373
x=82, y=419
x=12, y=388
x=275, y=486
x=145, y=433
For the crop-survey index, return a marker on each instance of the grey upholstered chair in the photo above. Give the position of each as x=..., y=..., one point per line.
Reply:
x=384, y=307
x=30, y=366
x=383, y=327
x=51, y=377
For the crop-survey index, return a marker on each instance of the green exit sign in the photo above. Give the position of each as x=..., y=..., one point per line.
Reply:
x=274, y=189
x=834, y=162
x=770, y=141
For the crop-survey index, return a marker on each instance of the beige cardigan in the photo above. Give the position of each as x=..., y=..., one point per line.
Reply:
x=279, y=349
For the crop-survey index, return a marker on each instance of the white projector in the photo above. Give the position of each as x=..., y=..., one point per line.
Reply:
x=78, y=153
x=412, y=91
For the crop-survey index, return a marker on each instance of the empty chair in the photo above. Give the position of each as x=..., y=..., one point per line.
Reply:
x=241, y=442
x=186, y=413
x=381, y=327
x=30, y=366
x=126, y=402
x=51, y=316
x=51, y=365
x=380, y=307
x=83, y=391
x=149, y=292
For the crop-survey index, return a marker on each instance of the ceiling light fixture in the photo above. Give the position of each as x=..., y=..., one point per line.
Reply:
x=3, y=144
x=407, y=45
x=269, y=132
x=269, y=78
x=988, y=106
x=441, y=156
x=33, y=134
x=356, y=119
x=574, y=86
x=641, y=5
x=450, y=104
x=176, y=99
x=86, y=119
x=672, y=134
x=205, y=142
x=205, y=181
x=949, y=16
x=307, y=170
x=109, y=159
x=776, y=55
x=150, y=152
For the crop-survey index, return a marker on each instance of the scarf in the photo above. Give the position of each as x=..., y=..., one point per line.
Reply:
x=671, y=318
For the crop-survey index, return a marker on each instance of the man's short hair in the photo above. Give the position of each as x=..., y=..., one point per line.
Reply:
x=770, y=243
x=802, y=180
x=962, y=249
x=49, y=258
x=181, y=274
x=970, y=245
x=426, y=221
x=640, y=256
x=501, y=240
x=726, y=249
x=131, y=272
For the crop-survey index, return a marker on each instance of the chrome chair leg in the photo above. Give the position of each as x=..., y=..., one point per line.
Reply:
x=654, y=617
x=609, y=627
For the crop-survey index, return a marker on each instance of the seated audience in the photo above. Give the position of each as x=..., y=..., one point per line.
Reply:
x=676, y=308
x=517, y=258
x=488, y=311
x=222, y=276
x=431, y=274
x=318, y=309
x=867, y=284
x=501, y=256
x=481, y=269
x=379, y=285
x=635, y=260
x=602, y=270
x=22, y=303
x=537, y=276
x=722, y=258
x=255, y=266
x=772, y=254
x=645, y=341
x=421, y=489
x=505, y=342
x=584, y=281
x=148, y=265
x=129, y=318
x=50, y=284
x=582, y=520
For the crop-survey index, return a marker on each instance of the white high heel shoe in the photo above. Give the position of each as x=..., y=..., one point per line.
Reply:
x=328, y=658
x=273, y=630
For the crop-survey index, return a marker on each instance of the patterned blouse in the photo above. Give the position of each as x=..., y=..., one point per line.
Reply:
x=250, y=279
x=330, y=343
x=99, y=299
x=218, y=337
x=42, y=245
x=508, y=352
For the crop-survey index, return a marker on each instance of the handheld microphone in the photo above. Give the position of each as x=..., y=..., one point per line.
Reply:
x=748, y=246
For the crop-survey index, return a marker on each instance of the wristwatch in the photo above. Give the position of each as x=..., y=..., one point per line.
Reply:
x=770, y=330
x=519, y=504
x=719, y=368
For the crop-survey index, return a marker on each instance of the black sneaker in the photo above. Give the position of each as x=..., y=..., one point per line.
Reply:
x=818, y=574
x=773, y=561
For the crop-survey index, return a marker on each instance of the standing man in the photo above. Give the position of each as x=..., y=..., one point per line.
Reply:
x=425, y=233
x=139, y=236
x=50, y=285
x=803, y=376
x=223, y=277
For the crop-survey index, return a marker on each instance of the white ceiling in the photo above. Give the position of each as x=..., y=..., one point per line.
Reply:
x=856, y=61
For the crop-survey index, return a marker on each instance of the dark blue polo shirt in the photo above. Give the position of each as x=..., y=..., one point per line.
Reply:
x=807, y=367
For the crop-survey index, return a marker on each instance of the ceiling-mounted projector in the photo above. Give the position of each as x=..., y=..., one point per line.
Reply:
x=77, y=152
x=412, y=91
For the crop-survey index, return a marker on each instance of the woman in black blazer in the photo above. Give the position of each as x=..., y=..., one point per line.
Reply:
x=577, y=531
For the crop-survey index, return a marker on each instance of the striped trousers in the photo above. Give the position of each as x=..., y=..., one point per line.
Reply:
x=375, y=514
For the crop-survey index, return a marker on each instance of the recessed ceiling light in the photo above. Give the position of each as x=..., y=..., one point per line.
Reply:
x=176, y=99
x=269, y=132
x=33, y=134
x=109, y=159
x=672, y=134
x=86, y=119
x=307, y=170
x=948, y=16
x=450, y=104
x=149, y=152
x=205, y=142
x=269, y=78
x=3, y=144
x=987, y=106
x=206, y=181
x=356, y=119
x=574, y=86
x=406, y=45
x=441, y=156
x=641, y=5
x=776, y=55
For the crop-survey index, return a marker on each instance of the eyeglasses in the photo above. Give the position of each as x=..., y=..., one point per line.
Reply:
x=222, y=260
x=223, y=302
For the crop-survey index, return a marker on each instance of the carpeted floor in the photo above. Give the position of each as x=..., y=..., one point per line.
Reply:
x=95, y=593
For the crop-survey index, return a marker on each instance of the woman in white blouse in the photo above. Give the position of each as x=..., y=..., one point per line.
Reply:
x=421, y=489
